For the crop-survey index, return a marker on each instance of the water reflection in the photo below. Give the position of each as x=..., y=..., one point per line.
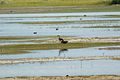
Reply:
x=62, y=51
x=94, y=51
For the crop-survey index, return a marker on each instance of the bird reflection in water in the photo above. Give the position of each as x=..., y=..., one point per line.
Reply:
x=62, y=51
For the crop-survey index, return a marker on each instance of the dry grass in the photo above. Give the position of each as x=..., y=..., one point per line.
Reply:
x=99, y=77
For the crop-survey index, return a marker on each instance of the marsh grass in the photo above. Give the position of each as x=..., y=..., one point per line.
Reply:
x=22, y=3
x=24, y=37
x=23, y=48
x=73, y=22
x=58, y=9
x=48, y=43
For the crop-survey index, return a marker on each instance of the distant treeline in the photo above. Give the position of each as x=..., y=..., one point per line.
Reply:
x=115, y=2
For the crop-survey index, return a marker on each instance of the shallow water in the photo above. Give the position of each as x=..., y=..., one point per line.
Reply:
x=9, y=27
x=21, y=30
x=61, y=14
x=62, y=68
x=94, y=51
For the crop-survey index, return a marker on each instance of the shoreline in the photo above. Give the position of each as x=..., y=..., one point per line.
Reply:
x=67, y=77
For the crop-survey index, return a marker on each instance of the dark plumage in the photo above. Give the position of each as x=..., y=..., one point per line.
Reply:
x=34, y=32
x=85, y=15
x=60, y=39
x=56, y=28
x=64, y=42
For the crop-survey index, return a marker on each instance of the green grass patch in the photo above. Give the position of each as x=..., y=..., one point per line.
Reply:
x=23, y=3
x=12, y=38
x=34, y=6
x=24, y=37
x=24, y=48
x=63, y=9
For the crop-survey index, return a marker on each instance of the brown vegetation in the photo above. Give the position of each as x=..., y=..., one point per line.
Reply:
x=99, y=77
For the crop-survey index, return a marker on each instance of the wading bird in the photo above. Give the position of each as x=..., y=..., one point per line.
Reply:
x=60, y=39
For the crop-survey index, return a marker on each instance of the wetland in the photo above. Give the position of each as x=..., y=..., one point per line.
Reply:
x=93, y=46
